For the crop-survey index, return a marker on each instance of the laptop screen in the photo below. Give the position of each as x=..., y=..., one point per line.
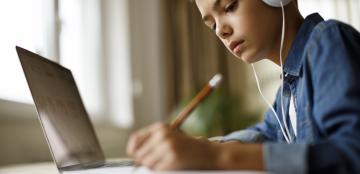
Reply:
x=63, y=117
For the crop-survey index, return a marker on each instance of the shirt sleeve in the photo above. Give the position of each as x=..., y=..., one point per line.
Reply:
x=265, y=131
x=336, y=79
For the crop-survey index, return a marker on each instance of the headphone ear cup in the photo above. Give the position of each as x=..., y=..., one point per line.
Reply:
x=277, y=3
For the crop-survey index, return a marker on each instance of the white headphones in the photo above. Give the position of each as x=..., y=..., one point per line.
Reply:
x=277, y=3
x=283, y=126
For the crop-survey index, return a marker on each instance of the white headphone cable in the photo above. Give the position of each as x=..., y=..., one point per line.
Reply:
x=282, y=72
x=286, y=132
x=270, y=106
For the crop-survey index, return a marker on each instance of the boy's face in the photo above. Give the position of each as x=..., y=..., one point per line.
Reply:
x=248, y=28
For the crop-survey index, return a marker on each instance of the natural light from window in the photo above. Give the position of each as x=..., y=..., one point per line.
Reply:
x=80, y=51
x=21, y=24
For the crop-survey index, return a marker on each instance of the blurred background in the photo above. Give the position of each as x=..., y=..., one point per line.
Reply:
x=136, y=62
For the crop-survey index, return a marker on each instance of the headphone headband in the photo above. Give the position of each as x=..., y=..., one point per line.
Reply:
x=277, y=3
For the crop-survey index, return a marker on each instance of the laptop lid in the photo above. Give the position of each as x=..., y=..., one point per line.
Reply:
x=64, y=120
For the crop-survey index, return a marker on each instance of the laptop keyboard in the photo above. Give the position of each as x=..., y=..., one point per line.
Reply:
x=118, y=164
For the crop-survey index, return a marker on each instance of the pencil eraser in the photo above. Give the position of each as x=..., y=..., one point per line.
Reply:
x=215, y=81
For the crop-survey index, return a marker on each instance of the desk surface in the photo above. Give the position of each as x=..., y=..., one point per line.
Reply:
x=50, y=168
x=37, y=168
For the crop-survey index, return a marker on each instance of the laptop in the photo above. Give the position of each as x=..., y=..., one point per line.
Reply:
x=61, y=112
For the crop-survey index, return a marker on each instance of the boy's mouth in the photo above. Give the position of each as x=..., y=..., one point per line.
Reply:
x=235, y=46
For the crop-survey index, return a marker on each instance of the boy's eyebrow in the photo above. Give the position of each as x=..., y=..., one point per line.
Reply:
x=215, y=5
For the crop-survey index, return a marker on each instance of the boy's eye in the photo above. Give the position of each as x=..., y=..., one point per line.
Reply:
x=231, y=7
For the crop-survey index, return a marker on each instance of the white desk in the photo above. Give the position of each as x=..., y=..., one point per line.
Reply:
x=37, y=168
x=50, y=168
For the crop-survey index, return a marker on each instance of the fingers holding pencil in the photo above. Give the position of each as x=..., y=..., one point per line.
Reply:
x=167, y=149
x=149, y=145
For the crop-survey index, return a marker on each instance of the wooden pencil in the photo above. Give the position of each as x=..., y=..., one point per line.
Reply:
x=207, y=89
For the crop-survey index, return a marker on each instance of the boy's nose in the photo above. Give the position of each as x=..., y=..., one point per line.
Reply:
x=224, y=31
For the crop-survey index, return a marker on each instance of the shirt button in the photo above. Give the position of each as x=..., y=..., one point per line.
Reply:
x=285, y=74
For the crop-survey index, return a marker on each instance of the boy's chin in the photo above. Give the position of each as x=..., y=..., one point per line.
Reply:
x=247, y=60
x=247, y=57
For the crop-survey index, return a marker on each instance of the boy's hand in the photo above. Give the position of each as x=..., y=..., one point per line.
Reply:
x=161, y=148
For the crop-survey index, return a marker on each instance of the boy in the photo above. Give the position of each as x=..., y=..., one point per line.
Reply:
x=320, y=92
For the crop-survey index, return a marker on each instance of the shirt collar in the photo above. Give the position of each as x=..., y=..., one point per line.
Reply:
x=293, y=63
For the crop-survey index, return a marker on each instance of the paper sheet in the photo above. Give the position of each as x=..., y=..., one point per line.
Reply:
x=143, y=170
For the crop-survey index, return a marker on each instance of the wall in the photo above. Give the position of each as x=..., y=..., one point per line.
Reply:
x=22, y=140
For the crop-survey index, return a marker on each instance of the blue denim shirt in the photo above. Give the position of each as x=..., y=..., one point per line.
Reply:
x=322, y=72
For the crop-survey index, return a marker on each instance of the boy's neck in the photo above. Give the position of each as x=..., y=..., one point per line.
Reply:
x=293, y=21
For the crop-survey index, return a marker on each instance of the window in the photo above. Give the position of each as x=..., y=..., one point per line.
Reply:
x=90, y=37
x=80, y=50
x=94, y=45
x=344, y=10
x=22, y=25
